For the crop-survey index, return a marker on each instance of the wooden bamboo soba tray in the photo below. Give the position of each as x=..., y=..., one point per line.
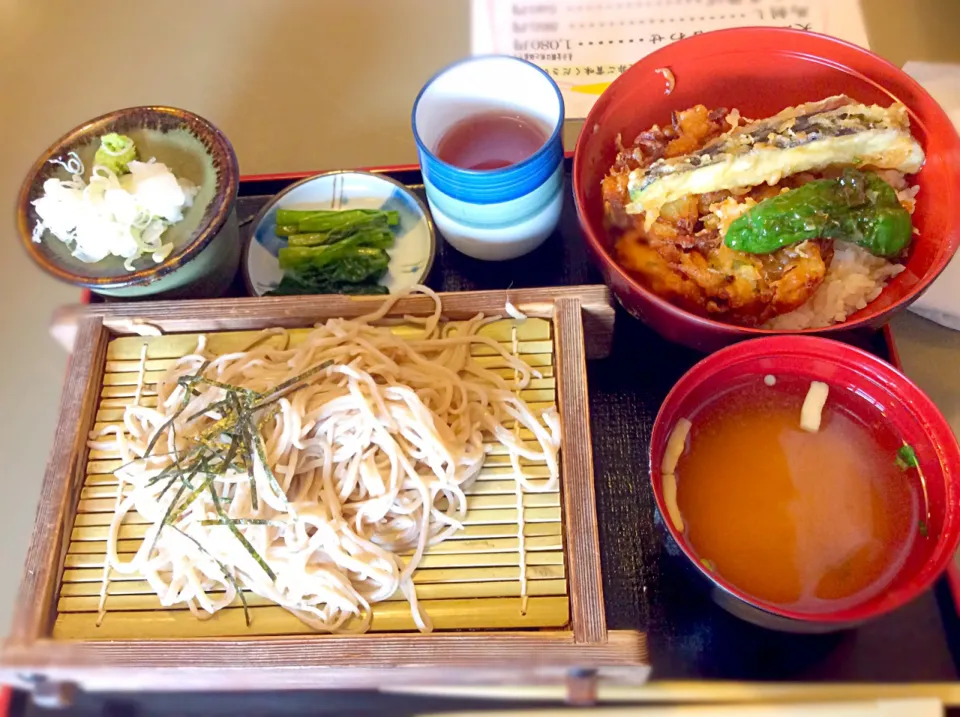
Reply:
x=471, y=581
x=470, y=585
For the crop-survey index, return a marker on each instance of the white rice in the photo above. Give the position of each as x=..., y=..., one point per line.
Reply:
x=854, y=279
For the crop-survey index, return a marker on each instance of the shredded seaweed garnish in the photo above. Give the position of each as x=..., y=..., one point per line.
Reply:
x=212, y=407
x=290, y=383
x=171, y=469
x=167, y=424
x=176, y=472
x=242, y=441
x=191, y=496
x=208, y=480
x=184, y=484
x=244, y=521
x=180, y=409
x=226, y=387
x=232, y=442
x=230, y=523
x=254, y=433
x=248, y=459
x=905, y=460
x=140, y=458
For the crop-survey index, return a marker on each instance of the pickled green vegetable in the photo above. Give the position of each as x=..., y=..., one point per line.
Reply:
x=346, y=267
x=334, y=252
x=343, y=262
x=380, y=237
x=286, y=230
x=857, y=207
x=317, y=220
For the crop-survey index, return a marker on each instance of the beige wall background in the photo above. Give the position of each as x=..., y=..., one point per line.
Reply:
x=296, y=85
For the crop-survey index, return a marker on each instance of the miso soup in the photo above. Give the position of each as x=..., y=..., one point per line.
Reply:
x=808, y=520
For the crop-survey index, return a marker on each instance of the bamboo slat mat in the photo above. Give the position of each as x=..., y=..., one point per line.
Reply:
x=471, y=581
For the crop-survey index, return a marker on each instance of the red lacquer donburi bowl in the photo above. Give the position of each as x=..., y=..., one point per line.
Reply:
x=760, y=71
x=908, y=410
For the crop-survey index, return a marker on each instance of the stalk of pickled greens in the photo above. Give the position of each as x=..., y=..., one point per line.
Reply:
x=120, y=213
x=373, y=236
x=286, y=230
x=348, y=260
x=318, y=216
x=346, y=267
x=343, y=221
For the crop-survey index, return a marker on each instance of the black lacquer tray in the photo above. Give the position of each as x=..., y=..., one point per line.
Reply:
x=646, y=586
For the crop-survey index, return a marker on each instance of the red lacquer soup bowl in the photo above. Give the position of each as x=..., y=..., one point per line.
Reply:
x=865, y=385
x=760, y=71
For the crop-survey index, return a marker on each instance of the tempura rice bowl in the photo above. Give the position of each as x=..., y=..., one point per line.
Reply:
x=724, y=69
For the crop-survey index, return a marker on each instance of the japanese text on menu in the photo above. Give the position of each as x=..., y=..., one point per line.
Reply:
x=585, y=45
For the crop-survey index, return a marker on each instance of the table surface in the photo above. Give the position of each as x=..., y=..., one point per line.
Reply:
x=353, y=69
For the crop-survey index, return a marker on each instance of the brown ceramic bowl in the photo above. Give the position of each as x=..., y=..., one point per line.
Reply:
x=206, y=242
x=760, y=71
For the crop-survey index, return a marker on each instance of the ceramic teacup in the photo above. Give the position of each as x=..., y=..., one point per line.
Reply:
x=492, y=214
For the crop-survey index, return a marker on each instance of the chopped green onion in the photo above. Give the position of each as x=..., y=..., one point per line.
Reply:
x=907, y=455
x=905, y=460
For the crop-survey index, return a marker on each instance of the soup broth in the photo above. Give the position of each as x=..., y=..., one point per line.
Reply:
x=806, y=520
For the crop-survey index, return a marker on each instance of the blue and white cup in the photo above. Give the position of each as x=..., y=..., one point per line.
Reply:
x=492, y=214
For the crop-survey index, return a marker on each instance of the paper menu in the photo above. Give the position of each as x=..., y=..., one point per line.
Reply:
x=586, y=44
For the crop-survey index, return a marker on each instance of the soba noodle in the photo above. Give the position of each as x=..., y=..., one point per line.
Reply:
x=361, y=457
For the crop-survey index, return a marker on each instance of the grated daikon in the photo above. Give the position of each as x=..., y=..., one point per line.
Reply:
x=121, y=214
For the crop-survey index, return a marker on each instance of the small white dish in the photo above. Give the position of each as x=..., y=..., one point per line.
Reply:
x=410, y=257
